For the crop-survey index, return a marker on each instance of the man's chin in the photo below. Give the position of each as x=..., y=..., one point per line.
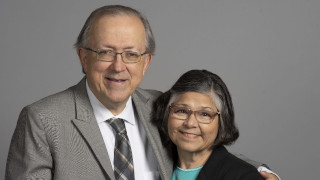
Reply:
x=118, y=97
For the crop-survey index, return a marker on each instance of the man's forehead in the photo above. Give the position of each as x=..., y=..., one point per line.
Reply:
x=111, y=31
x=119, y=24
x=116, y=18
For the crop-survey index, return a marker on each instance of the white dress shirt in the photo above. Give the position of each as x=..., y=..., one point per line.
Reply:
x=144, y=160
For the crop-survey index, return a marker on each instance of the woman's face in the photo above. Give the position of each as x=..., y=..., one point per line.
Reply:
x=189, y=135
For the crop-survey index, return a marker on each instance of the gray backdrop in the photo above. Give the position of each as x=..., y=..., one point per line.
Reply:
x=267, y=52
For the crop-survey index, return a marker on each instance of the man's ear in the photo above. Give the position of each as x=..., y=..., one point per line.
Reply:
x=82, y=54
x=147, y=62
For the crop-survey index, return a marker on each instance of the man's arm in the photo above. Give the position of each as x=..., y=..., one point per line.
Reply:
x=29, y=155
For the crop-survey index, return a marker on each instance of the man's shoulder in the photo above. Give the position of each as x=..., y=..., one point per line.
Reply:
x=53, y=109
x=148, y=93
x=52, y=101
x=55, y=101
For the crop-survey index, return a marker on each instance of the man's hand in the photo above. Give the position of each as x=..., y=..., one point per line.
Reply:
x=268, y=176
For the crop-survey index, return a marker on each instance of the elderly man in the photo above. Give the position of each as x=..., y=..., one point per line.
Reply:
x=99, y=128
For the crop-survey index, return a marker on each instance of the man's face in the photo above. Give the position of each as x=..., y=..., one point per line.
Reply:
x=113, y=82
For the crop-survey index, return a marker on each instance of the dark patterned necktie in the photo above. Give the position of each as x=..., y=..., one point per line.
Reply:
x=123, y=163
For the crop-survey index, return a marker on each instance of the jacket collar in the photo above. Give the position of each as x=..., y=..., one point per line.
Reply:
x=87, y=125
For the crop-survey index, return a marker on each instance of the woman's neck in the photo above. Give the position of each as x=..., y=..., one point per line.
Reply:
x=189, y=160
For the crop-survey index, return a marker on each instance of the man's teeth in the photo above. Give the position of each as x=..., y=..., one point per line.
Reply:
x=190, y=135
x=116, y=80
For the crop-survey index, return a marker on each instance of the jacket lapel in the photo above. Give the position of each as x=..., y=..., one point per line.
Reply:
x=143, y=106
x=87, y=125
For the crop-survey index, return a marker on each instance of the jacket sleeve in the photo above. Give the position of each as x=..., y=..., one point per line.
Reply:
x=29, y=154
x=250, y=161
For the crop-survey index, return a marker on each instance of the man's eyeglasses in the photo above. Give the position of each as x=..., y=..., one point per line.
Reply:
x=183, y=113
x=108, y=55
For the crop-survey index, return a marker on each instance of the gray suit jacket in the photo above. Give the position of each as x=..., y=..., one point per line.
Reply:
x=58, y=138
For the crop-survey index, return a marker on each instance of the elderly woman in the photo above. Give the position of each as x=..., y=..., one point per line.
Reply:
x=196, y=120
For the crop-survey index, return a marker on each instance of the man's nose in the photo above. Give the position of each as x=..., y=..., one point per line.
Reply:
x=117, y=63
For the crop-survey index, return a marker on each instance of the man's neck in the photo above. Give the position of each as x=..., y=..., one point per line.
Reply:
x=115, y=108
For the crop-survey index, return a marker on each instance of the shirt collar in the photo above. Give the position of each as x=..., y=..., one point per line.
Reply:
x=102, y=113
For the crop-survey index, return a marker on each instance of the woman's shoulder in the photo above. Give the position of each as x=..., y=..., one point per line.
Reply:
x=224, y=165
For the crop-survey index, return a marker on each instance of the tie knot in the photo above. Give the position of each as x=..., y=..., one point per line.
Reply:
x=118, y=125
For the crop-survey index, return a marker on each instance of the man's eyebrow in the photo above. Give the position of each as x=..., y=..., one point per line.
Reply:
x=106, y=46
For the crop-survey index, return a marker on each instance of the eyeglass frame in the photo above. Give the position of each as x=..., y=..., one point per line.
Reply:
x=115, y=55
x=190, y=112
